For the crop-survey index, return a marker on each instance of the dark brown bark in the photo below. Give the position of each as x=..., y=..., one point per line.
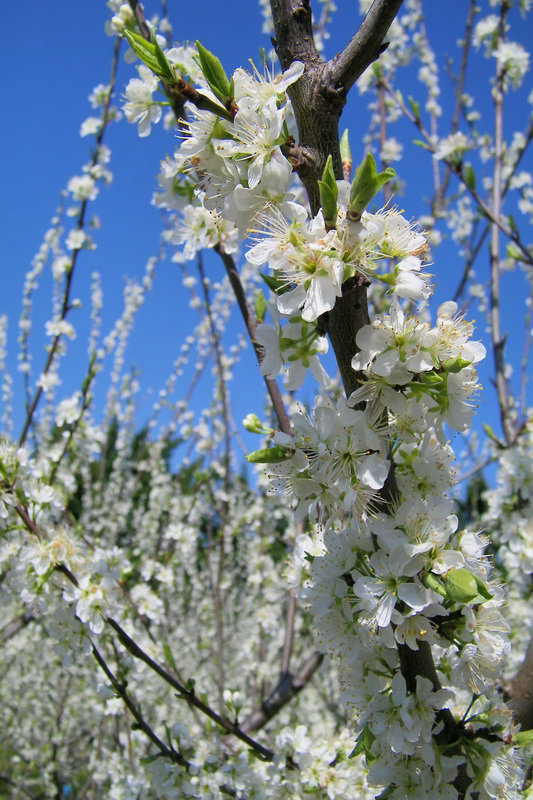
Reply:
x=521, y=691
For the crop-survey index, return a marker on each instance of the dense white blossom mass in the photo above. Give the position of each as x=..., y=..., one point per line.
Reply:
x=131, y=563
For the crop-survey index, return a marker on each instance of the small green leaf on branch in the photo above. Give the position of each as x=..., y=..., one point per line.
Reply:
x=415, y=108
x=150, y=54
x=329, y=192
x=214, y=74
x=346, y=156
x=260, y=306
x=469, y=177
x=366, y=185
x=455, y=364
x=269, y=455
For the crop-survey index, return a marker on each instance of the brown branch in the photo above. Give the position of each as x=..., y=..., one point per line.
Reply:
x=365, y=46
x=288, y=687
x=191, y=698
x=249, y=321
x=521, y=690
x=15, y=625
x=120, y=689
x=498, y=341
x=289, y=633
x=317, y=104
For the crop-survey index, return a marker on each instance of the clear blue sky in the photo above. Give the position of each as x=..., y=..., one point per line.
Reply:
x=53, y=55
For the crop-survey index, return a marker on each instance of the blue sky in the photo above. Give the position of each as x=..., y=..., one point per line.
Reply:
x=54, y=55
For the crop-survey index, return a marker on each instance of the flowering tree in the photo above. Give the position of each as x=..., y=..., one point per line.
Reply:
x=339, y=628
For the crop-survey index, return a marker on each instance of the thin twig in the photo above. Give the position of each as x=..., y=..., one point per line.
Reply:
x=528, y=137
x=387, y=191
x=136, y=651
x=365, y=46
x=249, y=321
x=459, y=93
x=120, y=689
x=524, y=373
x=498, y=341
x=289, y=633
x=66, y=306
x=288, y=687
x=484, y=207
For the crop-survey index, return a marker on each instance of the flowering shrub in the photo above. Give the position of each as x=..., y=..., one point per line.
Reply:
x=335, y=628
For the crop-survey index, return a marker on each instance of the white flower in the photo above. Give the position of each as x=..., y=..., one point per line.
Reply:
x=513, y=59
x=140, y=107
x=83, y=187
x=455, y=144
x=410, y=282
x=392, y=150
x=77, y=239
x=91, y=126
x=60, y=327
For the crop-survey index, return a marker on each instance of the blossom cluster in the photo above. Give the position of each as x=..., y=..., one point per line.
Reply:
x=100, y=527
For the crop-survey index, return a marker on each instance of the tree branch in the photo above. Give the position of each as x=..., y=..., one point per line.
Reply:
x=365, y=46
x=288, y=687
x=249, y=321
x=498, y=341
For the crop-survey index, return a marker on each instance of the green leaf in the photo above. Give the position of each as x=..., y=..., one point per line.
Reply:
x=166, y=70
x=329, y=192
x=214, y=73
x=482, y=589
x=366, y=184
x=415, y=108
x=514, y=252
x=420, y=143
x=169, y=658
x=260, y=306
x=346, y=153
x=150, y=54
x=150, y=759
x=269, y=455
x=523, y=737
x=432, y=582
x=469, y=177
x=512, y=224
x=277, y=286
x=455, y=364
x=363, y=743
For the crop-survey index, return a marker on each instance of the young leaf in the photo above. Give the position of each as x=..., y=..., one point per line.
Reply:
x=274, y=284
x=415, y=108
x=469, y=177
x=260, y=306
x=269, y=455
x=166, y=71
x=366, y=184
x=150, y=54
x=214, y=73
x=329, y=192
x=346, y=154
